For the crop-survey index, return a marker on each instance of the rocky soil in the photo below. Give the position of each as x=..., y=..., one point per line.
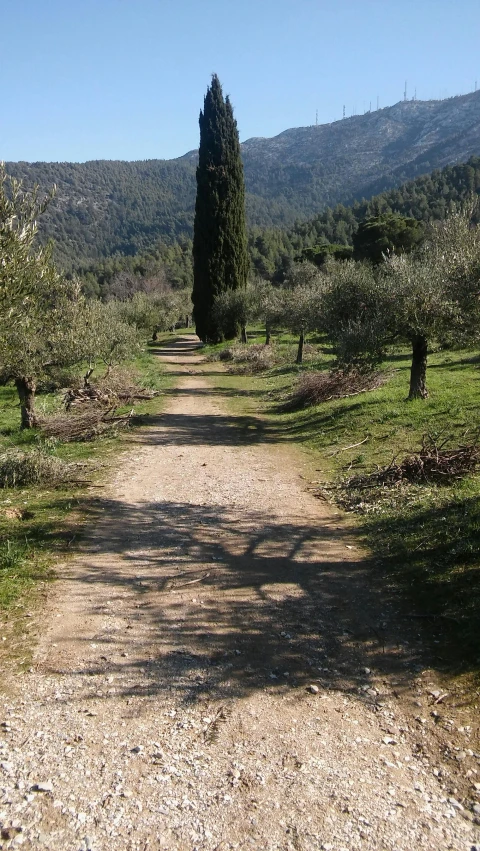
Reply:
x=220, y=667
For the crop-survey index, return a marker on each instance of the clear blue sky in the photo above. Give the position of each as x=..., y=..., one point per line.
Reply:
x=125, y=79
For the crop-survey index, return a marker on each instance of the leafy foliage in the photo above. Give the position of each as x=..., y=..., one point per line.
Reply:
x=419, y=297
x=39, y=310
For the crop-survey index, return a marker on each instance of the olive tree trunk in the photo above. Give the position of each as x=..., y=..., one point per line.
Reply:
x=418, y=370
x=300, y=347
x=87, y=376
x=268, y=333
x=243, y=334
x=26, y=393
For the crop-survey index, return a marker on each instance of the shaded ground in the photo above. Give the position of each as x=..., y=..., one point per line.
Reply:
x=221, y=667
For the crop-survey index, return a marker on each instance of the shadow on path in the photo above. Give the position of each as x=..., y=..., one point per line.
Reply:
x=228, y=602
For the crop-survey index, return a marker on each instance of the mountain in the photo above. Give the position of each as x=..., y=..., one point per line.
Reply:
x=272, y=251
x=105, y=207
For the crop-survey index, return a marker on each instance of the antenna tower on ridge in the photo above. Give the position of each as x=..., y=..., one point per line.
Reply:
x=405, y=92
x=378, y=102
x=344, y=110
x=316, y=118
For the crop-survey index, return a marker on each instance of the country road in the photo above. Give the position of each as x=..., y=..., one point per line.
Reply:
x=220, y=667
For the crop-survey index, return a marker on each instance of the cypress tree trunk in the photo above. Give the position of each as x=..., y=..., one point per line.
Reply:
x=418, y=370
x=300, y=347
x=220, y=259
x=26, y=393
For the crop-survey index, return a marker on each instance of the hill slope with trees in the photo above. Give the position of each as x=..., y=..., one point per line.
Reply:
x=106, y=207
x=272, y=250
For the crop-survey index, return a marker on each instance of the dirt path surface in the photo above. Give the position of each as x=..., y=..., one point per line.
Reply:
x=219, y=671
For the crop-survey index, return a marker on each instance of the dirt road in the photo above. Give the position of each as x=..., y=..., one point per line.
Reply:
x=219, y=668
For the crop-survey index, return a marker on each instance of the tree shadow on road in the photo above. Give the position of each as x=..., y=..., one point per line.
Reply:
x=228, y=603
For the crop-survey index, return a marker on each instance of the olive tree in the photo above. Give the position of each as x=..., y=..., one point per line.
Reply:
x=40, y=326
x=357, y=313
x=107, y=338
x=156, y=311
x=267, y=306
x=22, y=263
x=436, y=292
x=431, y=294
x=301, y=302
x=232, y=310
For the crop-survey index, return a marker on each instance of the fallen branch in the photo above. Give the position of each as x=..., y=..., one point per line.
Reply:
x=191, y=582
x=352, y=446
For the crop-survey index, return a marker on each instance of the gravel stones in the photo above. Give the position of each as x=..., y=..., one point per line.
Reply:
x=154, y=723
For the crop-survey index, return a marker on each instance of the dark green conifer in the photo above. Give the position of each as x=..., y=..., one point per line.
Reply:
x=220, y=259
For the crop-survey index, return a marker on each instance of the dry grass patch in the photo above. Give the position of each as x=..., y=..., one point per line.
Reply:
x=248, y=359
x=20, y=468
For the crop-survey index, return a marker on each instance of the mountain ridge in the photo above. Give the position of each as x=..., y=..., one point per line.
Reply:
x=105, y=207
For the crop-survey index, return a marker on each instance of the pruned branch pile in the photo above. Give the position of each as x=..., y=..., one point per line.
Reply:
x=315, y=387
x=92, y=422
x=248, y=359
x=433, y=463
x=116, y=388
x=33, y=467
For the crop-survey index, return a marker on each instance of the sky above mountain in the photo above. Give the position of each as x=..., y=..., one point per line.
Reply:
x=125, y=79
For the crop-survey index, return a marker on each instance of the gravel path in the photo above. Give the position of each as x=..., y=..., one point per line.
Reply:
x=218, y=668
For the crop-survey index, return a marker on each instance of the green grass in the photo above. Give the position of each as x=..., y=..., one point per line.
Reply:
x=425, y=537
x=39, y=525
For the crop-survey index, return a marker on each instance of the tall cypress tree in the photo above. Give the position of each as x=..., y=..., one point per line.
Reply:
x=220, y=259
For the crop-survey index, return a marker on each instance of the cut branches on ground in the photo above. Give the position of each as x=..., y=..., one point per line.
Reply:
x=312, y=388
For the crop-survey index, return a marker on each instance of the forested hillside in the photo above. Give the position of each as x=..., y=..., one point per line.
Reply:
x=272, y=250
x=427, y=198
x=107, y=207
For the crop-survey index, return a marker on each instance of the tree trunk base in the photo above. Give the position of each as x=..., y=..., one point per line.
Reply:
x=301, y=342
x=26, y=393
x=418, y=370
